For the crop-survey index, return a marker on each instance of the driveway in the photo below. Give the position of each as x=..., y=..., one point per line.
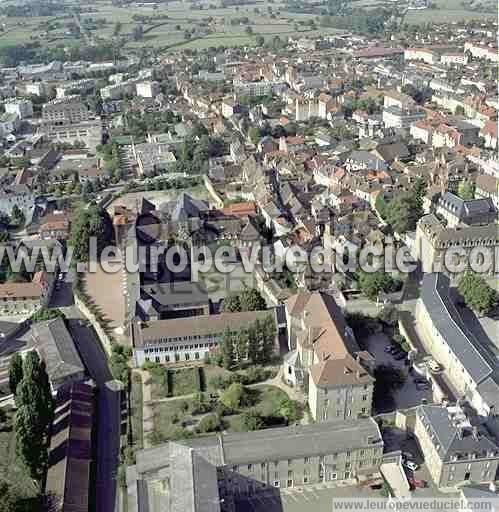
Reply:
x=408, y=395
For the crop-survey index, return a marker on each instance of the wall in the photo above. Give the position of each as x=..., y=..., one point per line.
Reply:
x=104, y=338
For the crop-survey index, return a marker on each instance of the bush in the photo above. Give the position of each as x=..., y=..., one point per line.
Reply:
x=251, y=420
x=234, y=396
x=209, y=423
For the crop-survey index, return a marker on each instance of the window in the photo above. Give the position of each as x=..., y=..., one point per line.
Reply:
x=187, y=357
x=157, y=359
x=306, y=460
x=364, y=398
x=347, y=474
x=250, y=467
x=333, y=476
x=290, y=483
x=277, y=483
x=467, y=475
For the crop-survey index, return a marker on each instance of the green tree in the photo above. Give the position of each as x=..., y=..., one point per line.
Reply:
x=268, y=340
x=251, y=421
x=209, y=423
x=231, y=304
x=118, y=363
x=233, y=397
x=15, y=372
x=466, y=190
x=477, y=294
x=253, y=343
x=17, y=216
x=372, y=283
x=227, y=348
x=289, y=410
x=251, y=300
x=254, y=134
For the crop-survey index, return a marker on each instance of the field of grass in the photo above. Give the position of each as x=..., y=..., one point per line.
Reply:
x=447, y=10
x=10, y=469
x=136, y=410
x=171, y=383
x=163, y=33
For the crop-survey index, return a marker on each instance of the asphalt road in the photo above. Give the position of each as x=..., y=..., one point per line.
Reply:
x=108, y=424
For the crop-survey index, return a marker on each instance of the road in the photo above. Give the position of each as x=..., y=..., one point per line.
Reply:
x=109, y=417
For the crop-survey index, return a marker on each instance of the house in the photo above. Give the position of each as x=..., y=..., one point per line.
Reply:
x=16, y=195
x=53, y=341
x=456, y=453
x=26, y=298
x=489, y=133
x=70, y=455
x=54, y=226
x=324, y=350
x=206, y=475
x=487, y=186
x=457, y=211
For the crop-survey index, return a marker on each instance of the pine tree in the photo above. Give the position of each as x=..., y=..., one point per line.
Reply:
x=227, y=347
x=253, y=344
x=15, y=372
x=268, y=339
x=241, y=346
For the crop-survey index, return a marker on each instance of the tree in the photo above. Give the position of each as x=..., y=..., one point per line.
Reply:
x=459, y=111
x=231, y=304
x=253, y=343
x=117, y=28
x=251, y=421
x=268, y=343
x=248, y=30
x=118, y=363
x=402, y=214
x=138, y=33
x=15, y=372
x=254, y=135
x=227, y=348
x=260, y=41
x=372, y=283
x=233, y=397
x=17, y=216
x=34, y=415
x=209, y=423
x=466, y=190
x=289, y=410
x=251, y=300
x=477, y=294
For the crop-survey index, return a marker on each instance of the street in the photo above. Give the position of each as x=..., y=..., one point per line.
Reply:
x=108, y=419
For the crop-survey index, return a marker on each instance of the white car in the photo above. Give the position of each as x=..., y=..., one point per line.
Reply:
x=411, y=465
x=434, y=366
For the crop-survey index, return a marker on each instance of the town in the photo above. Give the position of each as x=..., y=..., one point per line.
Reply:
x=249, y=254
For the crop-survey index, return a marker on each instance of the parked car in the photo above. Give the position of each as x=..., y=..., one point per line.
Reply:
x=434, y=366
x=399, y=356
x=411, y=465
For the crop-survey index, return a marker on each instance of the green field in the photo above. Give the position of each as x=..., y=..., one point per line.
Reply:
x=212, y=27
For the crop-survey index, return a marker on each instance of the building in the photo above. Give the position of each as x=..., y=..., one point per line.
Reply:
x=148, y=89
x=433, y=238
x=54, y=343
x=186, y=339
x=22, y=108
x=86, y=132
x=36, y=89
x=258, y=88
x=324, y=356
x=468, y=364
x=9, y=123
x=75, y=87
x=152, y=157
x=396, y=117
x=65, y=111
x=70, y=454
x=54, y=226
x=456, y=452
x=482, y=51
x=16, y=195
x=209, y=474
x=456, y=211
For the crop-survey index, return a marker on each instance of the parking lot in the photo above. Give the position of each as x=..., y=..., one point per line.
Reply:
x=409, y=395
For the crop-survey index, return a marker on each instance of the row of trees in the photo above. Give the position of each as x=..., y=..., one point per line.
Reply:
x=254, y=344
x=30, y=384
x=250, y=299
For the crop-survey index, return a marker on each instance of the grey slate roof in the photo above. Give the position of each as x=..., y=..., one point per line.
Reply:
x=451, y=439
x=57, y=349
x=443, y=314
x=299, y=441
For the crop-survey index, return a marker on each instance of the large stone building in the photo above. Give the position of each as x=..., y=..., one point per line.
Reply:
x=456, y=452
x=468, y=365
x=325, y=357
x=211, y=474
x=456, y=211
x=434, y=240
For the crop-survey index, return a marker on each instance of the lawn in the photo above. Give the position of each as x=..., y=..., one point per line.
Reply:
x=170, y=418
x=136, y=410
x=171, y=383
x=10, y=469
